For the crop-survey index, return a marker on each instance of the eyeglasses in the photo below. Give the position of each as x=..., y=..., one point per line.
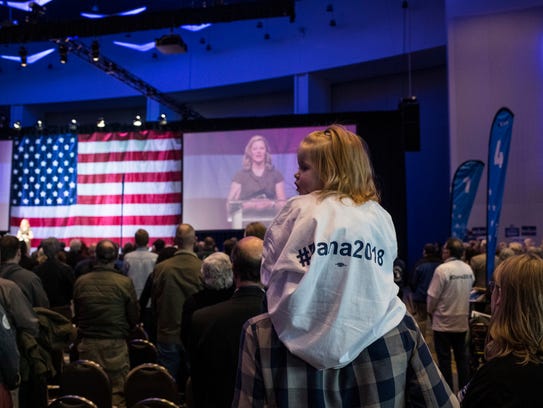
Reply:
x=492, y=286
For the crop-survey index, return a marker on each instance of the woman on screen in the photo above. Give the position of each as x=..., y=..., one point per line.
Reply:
x=258, y=189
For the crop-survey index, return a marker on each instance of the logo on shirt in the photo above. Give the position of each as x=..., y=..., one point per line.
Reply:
x=357, y=249
x=465, y=276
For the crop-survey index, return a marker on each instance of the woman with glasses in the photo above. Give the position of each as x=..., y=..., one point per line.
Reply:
x=513, y=372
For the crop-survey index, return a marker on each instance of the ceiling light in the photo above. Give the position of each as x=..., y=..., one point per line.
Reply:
x=162, y=119
x=95, y=51
x=73, y=125
x=101, y=123
x=195, y=27
x=17, y=125
x=23, y=53
x=63, y=52
x=137, y=121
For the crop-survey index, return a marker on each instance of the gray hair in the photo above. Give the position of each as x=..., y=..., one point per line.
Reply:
x=75, y=245
x=217, y=271
x=51, y=246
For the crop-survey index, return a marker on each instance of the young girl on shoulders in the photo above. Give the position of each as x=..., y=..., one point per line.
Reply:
x=328, y=255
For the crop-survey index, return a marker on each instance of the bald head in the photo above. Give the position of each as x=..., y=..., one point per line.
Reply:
x=185, y=236
x=246, y=259
x=106, y=252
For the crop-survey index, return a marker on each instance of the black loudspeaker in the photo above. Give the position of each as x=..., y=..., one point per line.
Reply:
x=410, y=123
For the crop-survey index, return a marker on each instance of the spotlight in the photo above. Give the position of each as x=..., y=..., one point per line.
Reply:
x=332, y=23
x=259, y=24
x=101, y=123
x=73, y=125
x=137, y=121
x=39, y=125
x=208, y=47
x=95, y=51
x=267, y=36
x=162, y=119
x=329, y=8
x=63, y=52
x=17, y=125
x=23, y=53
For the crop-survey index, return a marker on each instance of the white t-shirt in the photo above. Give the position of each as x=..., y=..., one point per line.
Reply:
x=328, y=267
x=450, y=289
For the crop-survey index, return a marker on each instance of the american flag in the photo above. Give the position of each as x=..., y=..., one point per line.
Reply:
x=99, y=185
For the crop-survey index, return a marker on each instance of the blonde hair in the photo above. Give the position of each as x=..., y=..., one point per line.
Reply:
x=247, y=161
x=516, y=326
x=342, y=161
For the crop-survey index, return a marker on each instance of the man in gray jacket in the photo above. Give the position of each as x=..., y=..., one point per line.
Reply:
x=175, y=279
x=28, y=281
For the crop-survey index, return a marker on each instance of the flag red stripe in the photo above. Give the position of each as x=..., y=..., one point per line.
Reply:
x=107, y=220
x=131, y=199
x=129, y=177
x=93, y=240
x=121, y=136
x=130, y=156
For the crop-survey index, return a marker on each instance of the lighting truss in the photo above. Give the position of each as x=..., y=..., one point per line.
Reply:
x=111, y=68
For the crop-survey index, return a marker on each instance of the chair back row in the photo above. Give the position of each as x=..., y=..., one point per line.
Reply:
x=88, y=379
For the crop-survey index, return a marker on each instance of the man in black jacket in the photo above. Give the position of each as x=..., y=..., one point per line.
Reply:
x=57, y=278
x=106, y=311
x=216, y=330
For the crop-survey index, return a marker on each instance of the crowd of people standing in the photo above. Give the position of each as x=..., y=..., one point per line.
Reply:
x=284, y=317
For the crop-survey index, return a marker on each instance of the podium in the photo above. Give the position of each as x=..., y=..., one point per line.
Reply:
x=239, y=216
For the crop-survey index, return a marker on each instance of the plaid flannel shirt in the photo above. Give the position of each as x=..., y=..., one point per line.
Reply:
x=397, y=370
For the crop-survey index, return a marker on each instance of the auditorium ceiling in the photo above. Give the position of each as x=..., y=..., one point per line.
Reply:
x=43, y=20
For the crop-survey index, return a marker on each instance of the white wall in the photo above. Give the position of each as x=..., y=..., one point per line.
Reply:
x=496, y=60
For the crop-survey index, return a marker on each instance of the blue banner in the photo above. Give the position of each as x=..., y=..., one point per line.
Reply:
x=498, y=153
x=464, y=188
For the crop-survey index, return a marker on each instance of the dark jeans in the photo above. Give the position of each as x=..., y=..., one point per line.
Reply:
x=175, y=359
x=443, y=342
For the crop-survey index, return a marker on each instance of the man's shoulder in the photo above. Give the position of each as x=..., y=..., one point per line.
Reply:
x=460, y=266
x=180, y=261
x=8, y=284
x=205, y=314
x=13, y=268
x=140, y=254
x=105, y=274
